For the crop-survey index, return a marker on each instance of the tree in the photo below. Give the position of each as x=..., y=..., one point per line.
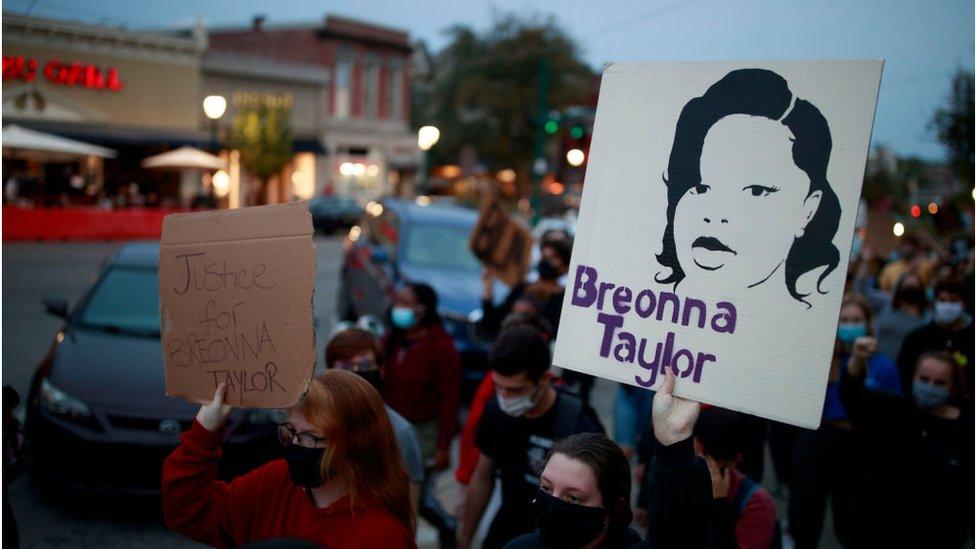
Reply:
x=483, y=89
x=263, y=135
x=953, y=123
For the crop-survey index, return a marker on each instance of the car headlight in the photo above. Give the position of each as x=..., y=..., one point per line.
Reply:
x=61, y=403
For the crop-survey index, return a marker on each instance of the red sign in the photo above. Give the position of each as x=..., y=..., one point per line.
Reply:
x=78, y=74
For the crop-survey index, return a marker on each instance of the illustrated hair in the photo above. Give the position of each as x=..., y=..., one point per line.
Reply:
x=758, y=92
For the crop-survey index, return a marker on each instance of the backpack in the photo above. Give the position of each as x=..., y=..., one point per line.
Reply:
x=742, y=496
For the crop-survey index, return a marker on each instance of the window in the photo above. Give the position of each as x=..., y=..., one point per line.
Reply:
x=125, y=300
x=394, y=89
x=343, y=82
x=371, y=86
x=440, y=246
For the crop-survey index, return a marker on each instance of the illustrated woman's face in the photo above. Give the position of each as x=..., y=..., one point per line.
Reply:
x=737, y=226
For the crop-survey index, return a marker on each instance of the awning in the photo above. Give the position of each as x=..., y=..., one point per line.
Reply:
x=19, y=142
x=122, y=136
x=184, y=157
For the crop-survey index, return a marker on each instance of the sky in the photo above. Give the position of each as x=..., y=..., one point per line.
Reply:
x=923, y=42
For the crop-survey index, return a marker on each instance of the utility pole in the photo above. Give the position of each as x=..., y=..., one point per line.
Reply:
x=539, y=166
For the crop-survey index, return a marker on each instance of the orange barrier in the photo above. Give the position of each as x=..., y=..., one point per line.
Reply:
x=79, y=223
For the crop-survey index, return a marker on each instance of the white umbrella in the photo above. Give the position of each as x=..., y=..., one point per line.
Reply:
x=184, y=157
x=20, y=142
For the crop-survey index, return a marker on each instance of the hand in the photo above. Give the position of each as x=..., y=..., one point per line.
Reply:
x=441, y=460
x=214, y=415
x=673, y=417
x=721, y=477
x=864, y=347
x=488, y=281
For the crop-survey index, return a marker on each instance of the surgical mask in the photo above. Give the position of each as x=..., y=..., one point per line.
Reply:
x=516, y=406
x=947, y=312
x=847, y=332
x=305, y=465
x=565, y=524
x=403, y=317
x=929, y=396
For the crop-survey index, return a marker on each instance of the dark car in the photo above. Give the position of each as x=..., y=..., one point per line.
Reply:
x=332, y=212
x=399, y=240
x=98, y=416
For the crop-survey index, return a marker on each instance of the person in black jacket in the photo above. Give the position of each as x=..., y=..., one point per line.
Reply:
x=923, y=444
x=583, y=498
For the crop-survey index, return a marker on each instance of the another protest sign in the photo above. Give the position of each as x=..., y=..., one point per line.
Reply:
x=501, y=242
x=715, y=229
x=235, y=289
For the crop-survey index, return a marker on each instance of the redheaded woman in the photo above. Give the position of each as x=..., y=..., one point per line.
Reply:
x=341, y=482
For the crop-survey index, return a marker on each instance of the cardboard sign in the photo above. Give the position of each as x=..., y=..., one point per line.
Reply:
x=500, y=241
x=715, y=229
x=235, y=293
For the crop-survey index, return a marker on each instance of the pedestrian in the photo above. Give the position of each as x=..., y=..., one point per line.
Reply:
x=341, y=482
x=583, y=499
x=829, y=462
x=743, y=513
x=358, y=351
x=516, y=431
x=923, y=445
x=951, y=329
x=422, y=382
x=896, y=314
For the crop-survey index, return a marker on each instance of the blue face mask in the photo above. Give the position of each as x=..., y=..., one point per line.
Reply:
x=847, y=332
x=929, y=396
x=403, y=317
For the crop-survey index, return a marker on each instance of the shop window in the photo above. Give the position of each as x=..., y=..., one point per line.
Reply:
x=343, y=82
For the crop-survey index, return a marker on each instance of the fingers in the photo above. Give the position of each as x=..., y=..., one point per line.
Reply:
x=219, y=394
x=668, y=386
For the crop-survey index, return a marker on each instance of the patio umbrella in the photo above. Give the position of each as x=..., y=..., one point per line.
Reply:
x=184, y=158
x=20, y=142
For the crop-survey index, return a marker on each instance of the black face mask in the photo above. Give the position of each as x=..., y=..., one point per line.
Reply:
x=565, y=524
x=912, y=295
x=546, y=270
x=372, y=377
x=305, y=465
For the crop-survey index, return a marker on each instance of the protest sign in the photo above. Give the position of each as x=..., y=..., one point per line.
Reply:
x=715, y=228
x=501, y=242
x=235, y=292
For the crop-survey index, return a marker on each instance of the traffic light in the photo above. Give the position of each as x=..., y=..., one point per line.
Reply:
x=552, y=126
x=576, y=132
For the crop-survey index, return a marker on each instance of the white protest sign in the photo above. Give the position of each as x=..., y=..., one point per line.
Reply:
x=715, y=228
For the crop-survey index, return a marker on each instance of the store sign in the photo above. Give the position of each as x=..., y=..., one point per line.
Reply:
x=76, y=73
x=257, y=99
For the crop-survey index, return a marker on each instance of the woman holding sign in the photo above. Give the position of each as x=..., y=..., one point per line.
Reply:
x=341, y=483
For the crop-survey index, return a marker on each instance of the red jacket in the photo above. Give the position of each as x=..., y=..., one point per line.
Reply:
x=422, y=381
x=263, y=504
x=468, y=458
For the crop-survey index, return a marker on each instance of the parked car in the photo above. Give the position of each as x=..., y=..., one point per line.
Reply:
x=331, y=212
x=399, y=240
x=98, y=416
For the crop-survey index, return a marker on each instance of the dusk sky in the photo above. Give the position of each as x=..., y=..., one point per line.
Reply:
x=923, y=43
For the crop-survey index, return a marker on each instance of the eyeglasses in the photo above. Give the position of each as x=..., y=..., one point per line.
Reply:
x=287, y=435
x=361, y=365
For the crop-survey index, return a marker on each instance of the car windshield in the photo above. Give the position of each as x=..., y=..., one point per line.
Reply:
x=440, y=246
x=125, y=300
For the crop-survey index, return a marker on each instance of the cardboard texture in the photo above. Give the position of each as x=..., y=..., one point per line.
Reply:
x=715, y=228
x=500, y=241
x=235, y=293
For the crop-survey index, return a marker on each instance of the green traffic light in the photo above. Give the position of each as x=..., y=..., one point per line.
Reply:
x=552, y=126
x=576, y=132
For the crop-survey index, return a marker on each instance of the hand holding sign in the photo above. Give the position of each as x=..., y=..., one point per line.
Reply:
x=673, y=417
x=214, y=414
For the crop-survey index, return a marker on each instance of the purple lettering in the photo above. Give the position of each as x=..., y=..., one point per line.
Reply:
x=610, y=323
x=584, y=291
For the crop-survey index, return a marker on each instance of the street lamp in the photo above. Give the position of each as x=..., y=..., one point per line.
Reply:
x=427, y=137
x=575, y=157
x=214, y=107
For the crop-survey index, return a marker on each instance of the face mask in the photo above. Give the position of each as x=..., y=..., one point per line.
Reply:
x=305, y=465
x=928, y=396
x=912, y=295
x=403, y=317
x=847, y=332
x=516, y=406
x=373, y=377
x=947, y=312
x=565, y=524
x=546, y=270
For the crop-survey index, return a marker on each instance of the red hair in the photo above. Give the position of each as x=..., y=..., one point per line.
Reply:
x=361, y=449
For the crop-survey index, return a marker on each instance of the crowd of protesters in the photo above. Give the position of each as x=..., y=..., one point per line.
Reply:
x=363, y=449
